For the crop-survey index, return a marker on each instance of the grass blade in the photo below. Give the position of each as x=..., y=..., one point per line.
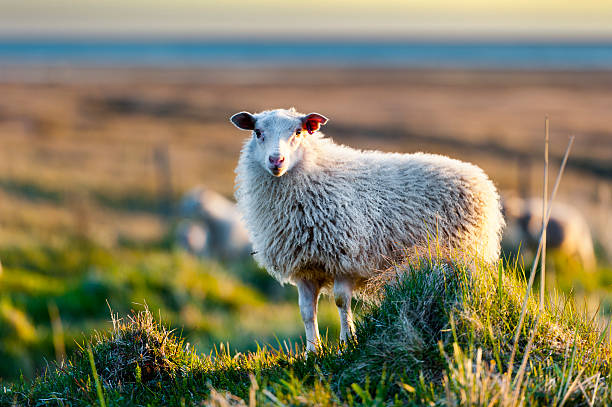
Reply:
x=95, y=375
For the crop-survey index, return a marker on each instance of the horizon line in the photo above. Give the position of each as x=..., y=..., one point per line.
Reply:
x=342, y=38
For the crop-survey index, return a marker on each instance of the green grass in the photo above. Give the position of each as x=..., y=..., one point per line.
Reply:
x=208, y=302
x=439, y=334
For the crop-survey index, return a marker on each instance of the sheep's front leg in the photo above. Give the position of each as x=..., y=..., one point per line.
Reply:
x=343, y=292
x=308, y=293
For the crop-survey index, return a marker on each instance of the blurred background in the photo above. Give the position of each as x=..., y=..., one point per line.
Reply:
x=111, y=113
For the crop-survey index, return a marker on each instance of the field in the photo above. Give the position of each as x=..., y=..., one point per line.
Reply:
x=86, y=196
x=83, y=141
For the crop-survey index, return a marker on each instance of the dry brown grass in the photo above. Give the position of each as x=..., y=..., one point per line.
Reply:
x=85, y=133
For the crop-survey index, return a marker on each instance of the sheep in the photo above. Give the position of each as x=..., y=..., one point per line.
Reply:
x=193, y=236
x=212, y=225
x=568, y=231
x=322, y=215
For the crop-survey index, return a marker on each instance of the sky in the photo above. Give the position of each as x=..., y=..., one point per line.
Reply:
x=569, y=19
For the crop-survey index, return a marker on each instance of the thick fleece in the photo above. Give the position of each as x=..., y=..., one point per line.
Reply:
x=345, y=212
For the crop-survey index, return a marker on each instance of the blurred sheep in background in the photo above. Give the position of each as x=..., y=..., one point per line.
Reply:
x=192, y=236
x=211, y=226
x=568, y=231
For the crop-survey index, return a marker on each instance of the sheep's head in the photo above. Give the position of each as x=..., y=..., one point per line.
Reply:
x=278, y=136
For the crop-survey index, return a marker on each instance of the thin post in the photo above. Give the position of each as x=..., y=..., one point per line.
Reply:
x=535, y=264
x=521, y=371
x=544, y=210
x=161, y=159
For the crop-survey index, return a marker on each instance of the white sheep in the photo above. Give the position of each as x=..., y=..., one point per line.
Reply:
x=192, y=236
x=322, y=214
x=212, y=225
x=567, y=232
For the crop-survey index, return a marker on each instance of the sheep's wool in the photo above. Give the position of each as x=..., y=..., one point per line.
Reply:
x=342, y=211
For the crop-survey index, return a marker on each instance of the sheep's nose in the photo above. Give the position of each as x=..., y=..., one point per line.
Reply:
x=276, y=160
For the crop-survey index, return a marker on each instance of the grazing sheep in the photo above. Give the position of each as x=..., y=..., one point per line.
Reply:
x=322, y=214
x=212, y=225
x=193, y=236
x=567, y=230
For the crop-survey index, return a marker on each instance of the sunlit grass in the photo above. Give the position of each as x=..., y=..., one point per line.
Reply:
x=207, y=301
x=440, y=334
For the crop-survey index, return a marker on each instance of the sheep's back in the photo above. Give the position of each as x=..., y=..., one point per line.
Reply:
x=355, y=213
x=439, y=201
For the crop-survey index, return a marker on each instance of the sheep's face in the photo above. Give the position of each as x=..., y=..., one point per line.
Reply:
x=277, y=136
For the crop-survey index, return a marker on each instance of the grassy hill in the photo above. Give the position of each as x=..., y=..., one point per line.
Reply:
x=439, y=334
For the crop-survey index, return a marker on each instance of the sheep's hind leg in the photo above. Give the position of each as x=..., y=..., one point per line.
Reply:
x=308, y=293
x=343, y=292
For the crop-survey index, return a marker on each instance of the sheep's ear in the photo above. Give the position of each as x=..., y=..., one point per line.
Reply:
x=313, y=121
x=243, y=120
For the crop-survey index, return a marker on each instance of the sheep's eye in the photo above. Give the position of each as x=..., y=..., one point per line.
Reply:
x=298, y=132
x=258, y=133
